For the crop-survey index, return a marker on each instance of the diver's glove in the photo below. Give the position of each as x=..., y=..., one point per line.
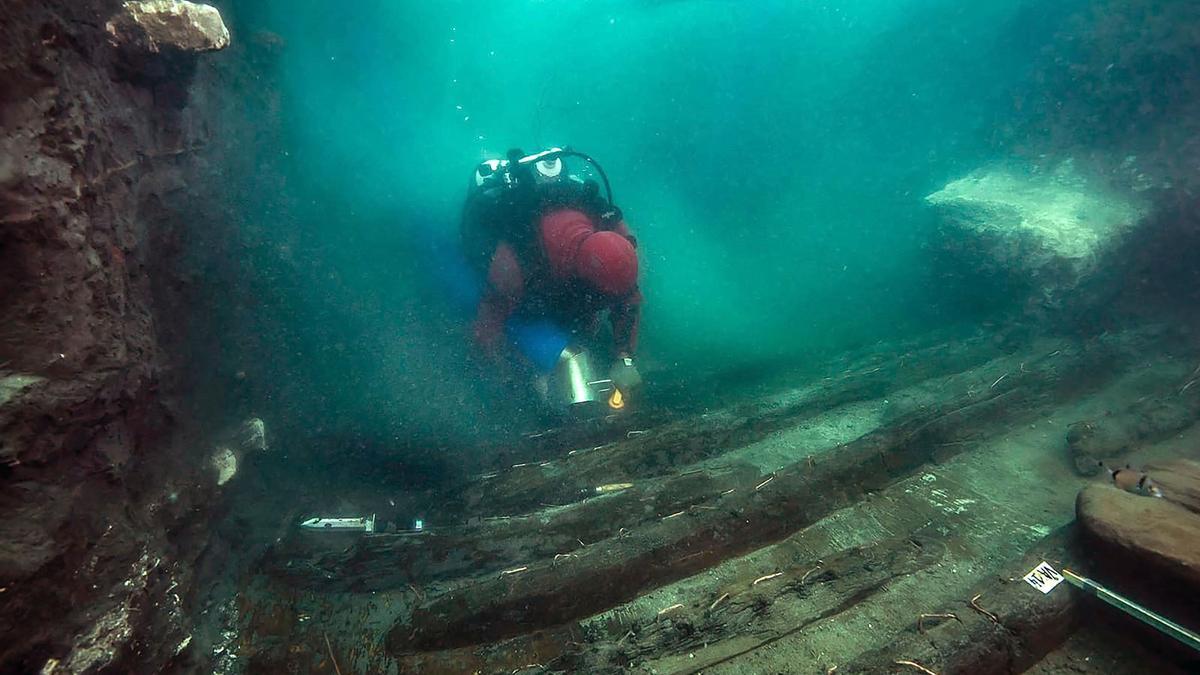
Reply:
x=625, y=376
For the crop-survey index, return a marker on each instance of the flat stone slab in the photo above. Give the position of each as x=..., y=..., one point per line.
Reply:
x=1158, y=534
x=1048, y=227
x=1071, y=216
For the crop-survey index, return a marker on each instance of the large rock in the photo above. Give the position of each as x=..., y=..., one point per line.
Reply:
x=1048, y=229
x=1157, y=536
x=238, y=444
x=152, y=25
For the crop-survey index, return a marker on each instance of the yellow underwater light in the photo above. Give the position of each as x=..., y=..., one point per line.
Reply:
x=616, y=401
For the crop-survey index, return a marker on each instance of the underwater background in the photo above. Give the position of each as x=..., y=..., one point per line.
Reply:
x=772, y=159
x=921, y=316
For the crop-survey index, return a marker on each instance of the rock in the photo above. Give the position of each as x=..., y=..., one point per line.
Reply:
x=247, y=439
x=154, y=25
x=253, y=435
x=1046, y=229
x=14, y=384
x=1157, y=536
x=225, y=464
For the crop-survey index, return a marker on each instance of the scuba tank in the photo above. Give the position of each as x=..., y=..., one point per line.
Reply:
x=508, y=189
x=505, y=195
x=517, y=171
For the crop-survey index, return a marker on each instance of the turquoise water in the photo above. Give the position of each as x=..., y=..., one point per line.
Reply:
x=803, y=298
x=771, y=158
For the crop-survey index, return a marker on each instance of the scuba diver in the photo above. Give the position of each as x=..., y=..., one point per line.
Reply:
x=555, y=255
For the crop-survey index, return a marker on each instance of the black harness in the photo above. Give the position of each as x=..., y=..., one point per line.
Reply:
x=511, y=201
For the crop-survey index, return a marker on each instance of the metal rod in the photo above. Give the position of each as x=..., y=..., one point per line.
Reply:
x=1159, y=623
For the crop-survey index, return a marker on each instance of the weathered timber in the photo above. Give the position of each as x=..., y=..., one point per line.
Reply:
x=745, y=613
x=614, y=571
x=390, y=561
x=1108, y=438
x=666, y=448
x=1029, y=624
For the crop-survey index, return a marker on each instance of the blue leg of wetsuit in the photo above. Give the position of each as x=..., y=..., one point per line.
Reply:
x=539, y=339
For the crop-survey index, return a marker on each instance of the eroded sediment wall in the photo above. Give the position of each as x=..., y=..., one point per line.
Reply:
x=99, y=498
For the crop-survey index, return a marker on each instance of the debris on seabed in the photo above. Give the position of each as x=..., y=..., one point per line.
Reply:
x=329, y=647
x=666, y=610
x=718, y=601
x=975, y=606
x=921, y=620
x=767, y=577
x=814, y=569
x=914, y=664
x=612, y=487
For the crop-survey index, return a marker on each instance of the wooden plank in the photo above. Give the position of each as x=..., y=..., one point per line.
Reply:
x=1026, y=626
x=390, y=561
x=752, y=516
x=667, y=448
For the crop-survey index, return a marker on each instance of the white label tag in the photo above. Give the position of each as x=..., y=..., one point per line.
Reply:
x=1044, y=577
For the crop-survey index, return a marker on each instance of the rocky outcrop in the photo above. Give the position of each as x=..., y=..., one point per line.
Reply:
x=102, y=505
x=1043, y=230
x=1107, y=87
x=1152, y=535
x=157, y=25
x=230, y=454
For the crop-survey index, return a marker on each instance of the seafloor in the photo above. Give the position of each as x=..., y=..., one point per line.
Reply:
x=843, y=522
